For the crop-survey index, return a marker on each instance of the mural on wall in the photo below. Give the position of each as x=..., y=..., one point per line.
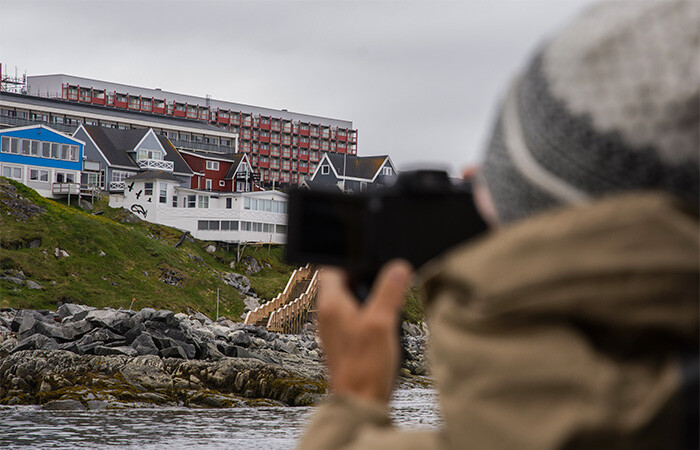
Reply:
x=138, y=209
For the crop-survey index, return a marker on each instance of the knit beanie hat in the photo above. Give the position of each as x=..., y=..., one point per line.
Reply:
x=611, y=104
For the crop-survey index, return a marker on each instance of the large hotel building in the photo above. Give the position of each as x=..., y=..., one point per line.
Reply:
x=283, y=147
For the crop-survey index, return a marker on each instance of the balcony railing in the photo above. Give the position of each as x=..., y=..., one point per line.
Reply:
x=117, y=186
x=202, y=146
x=156, y=164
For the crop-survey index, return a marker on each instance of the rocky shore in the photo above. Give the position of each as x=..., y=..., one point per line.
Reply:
x=80, y=357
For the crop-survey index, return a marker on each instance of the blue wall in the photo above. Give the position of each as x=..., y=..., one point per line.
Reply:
x=46, y=135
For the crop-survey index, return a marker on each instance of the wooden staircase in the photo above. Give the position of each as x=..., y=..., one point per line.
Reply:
x=288, y=312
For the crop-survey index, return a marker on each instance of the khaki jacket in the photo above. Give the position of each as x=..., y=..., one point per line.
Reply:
x=573, y=329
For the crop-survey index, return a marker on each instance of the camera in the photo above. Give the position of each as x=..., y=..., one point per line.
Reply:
x=417, y=218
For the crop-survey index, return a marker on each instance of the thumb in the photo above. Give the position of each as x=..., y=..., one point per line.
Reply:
x=389, y=291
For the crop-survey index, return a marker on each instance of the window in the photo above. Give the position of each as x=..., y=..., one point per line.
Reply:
x=246, y=226
x=269, y=227
x=44, y=175
x=93, y=178
x=212, y=165
x=163, y=197
x=207, y=185
x=213, y=225
x=7, y=171
x=229, y=203
x=46, y=149
x=325, y=170
x=229, y=225
x=17, y=173
x=149, y=154
x=14, y=145
x=118, y=175
x=65, y=151
x=5, y=146
x=222, y=183
x=74, y=152
x=148, y=187
x=174, y=201
x=282, y=229
x=26, y=146
x=387, y=171
x=203, y=201
x=55, y=150
x=35, y=148
x=191, y=201
x=202, y=225
x=33, y=174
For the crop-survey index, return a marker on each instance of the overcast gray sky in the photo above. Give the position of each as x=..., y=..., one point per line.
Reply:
x=420, y=80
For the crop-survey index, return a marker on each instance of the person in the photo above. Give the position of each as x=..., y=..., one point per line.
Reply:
x=574, y=322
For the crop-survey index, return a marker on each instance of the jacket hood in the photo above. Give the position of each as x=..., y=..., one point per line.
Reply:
x=566, y=329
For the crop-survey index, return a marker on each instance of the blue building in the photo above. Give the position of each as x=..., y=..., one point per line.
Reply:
x=39, y=156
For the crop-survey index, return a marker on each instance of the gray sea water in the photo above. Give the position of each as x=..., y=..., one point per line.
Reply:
x=28, y=427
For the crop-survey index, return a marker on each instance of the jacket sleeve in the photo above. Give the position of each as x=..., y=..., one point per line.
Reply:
x=348, y=423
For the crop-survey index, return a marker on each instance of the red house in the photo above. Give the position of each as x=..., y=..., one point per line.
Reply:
x=220, y=172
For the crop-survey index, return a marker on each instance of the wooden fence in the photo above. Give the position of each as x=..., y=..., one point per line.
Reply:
x=266, y=310
x=291, y=317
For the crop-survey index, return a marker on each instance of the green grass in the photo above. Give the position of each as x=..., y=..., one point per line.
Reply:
x=135, y=256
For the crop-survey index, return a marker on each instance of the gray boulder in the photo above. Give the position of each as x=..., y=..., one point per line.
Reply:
x=144, y=345
x=114, y=320
x=120, y=350
x=252, y=265
x=241, y=338
x=36, y=342
x=34, y=285
x=70, y=309
x=68, y=405
x=173, y=352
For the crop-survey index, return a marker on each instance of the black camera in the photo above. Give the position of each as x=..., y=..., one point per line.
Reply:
x=417, y=218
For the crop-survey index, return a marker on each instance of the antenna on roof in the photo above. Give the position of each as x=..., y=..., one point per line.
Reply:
x=208, y=100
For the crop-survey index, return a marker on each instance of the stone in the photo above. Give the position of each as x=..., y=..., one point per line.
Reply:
x=210, y=248
x=14, y=280
x=34, y=243
x=97, y=404
x=34, y=285
x=147, y=313
x=116, y=321
x=102, y=253
x=69, y=405
x=165, y=316
x=134, y=332
x=251, y=303
x=86, y=205
x=241, y=338
x=252, y=265
x=410, y=329
x=121, y=350
x=36, y=342
x=60, y=253
x=173, y=352
x=204, y=320
x=212, y=352
x=144, y=345
x=70, y=309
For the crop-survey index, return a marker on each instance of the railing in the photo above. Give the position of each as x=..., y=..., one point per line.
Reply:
x=117, y=185
x=292, y=316
x=202, y=146
x=156, y=164
x=65, y=188
x=282, y=298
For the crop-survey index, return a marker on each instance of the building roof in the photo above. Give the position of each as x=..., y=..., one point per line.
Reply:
x=39, y=84
x=352, y=166
x=237, y=159
x=115, y=145
x=117, y=114
x=154, y=175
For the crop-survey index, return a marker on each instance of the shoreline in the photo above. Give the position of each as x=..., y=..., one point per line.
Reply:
x=82, y=358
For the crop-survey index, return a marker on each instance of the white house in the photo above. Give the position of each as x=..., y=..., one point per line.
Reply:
x=159, y=197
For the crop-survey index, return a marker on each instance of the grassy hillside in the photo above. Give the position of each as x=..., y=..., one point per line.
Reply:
x=112, y=262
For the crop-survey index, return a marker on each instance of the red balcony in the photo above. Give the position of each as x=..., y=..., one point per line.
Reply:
x=264, y=164
x=264, y=151
x=303, y=157
x=274, y=152
x=265, y=139
x=303, y=144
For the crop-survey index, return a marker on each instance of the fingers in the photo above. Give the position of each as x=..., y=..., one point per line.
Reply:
x=389, y=291
x=334, y=298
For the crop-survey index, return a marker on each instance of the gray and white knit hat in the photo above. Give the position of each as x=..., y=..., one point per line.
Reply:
x=611, y=104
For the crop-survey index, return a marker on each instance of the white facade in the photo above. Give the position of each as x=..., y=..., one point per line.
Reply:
x=210, y=216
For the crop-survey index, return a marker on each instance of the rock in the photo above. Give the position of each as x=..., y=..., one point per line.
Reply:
x=121, y=350
x=241, y=338
x=173, y=352
x=129, y=217
x=70, y=309
x=204, y=320
x=102, y=253
x=86, y=205
x=36, y=342
x=14, y=280
x=97, y=404
x=410, y=329
x=252, y=265
x=251, y=303
x=134, y=332
x=237, y=281
x=212, y=352
x=147, y=313
x=19, y=274
x=210, y=248
x=286, y=347
x=116, y=321
x=60, y=253
x=69, y=405
x=144, y=345
x=34, y=285
x=34, y=243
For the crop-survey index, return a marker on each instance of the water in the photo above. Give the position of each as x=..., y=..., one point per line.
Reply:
x=239, y=428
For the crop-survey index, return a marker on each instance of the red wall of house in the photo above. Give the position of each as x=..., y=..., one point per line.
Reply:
x=198, y=165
